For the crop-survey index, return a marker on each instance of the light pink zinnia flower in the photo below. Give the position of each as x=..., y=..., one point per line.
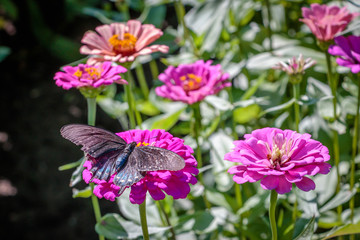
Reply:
x=295, y=66
x=120, y=42
x=278, y=158
x=326, y=21
x=348, y=50
x=93, y=76
x=191, y=83
x=174, y=183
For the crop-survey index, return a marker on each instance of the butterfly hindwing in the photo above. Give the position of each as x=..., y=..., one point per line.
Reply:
x=95, y=141
x=128, y=175
x=149, y=158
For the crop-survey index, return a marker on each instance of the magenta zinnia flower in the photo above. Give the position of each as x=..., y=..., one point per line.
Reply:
x=92, y=76
x=191, y=83
x=326, y=21
x=348, y=50
x=157, y=183
x=120, y=42
x=278, y=158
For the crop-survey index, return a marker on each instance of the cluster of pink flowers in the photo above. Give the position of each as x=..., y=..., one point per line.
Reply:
x=157, y=183
x=278, y=158
x=275, y=157
x=191, y=83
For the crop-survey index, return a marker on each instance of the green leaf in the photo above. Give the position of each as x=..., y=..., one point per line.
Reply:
x=279, y=107
x=71, y=165
x=348, y=229
x=163, y=121
x=218, y=103
x=84, y=193
x=246, y=114
x=342, y=197
x=113, y=226
x=4, y=52
x=77, y=174
x=147, y=108
x=307, y=233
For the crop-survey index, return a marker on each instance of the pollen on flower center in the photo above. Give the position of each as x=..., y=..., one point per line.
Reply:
x=281, y=151
x=89, y=73
x=142, y=144
x=124, y=46
x=191, y=82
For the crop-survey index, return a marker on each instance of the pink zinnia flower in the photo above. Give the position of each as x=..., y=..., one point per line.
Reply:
x=92, y=76
x=174, y=183
x=348, y=50
x=120, y=42
x=278, y=158
x=295, y=66
x=326, y=21
x=191, y=83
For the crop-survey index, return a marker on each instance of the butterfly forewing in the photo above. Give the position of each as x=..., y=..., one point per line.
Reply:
x=149, y=158
x=94, y=141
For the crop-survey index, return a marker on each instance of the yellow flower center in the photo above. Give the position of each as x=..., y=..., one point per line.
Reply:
x=142, y=144
x=124, y=46
x=91, y=73
x=191, y=82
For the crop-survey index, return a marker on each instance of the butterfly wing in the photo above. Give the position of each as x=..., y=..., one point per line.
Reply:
x=149, y=158
x=95, y=141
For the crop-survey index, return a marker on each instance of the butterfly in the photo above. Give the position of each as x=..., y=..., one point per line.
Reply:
x=112, y=155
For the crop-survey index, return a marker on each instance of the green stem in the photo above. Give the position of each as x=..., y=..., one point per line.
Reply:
x=180, y=14
x=91, y=104
x=173, y=235
x=196, y=128
x=273, y=199
x=130, y=99
x=296, y=90
x=268, y=8
x=154, y=69
x=144, y=227
x=353, y=155
x=142, y=80
x=333, y=85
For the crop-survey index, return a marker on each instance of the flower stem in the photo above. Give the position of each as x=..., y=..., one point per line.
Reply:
x=268, y=8
x=142, y=81
x=180, y=13
x=142, y=211
x=132, y=113
x=296, y=88
x=154, y=69
x=353, y=155
x=273, y=199
x=173, y=235
x=197, y=127
x=91, y=105
x=333, y=85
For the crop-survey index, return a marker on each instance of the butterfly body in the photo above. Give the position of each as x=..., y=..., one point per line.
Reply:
x=112, y=156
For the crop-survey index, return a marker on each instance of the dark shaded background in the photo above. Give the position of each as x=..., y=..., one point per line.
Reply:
x=33, y=109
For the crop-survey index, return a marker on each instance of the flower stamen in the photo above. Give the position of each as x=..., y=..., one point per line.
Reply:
x=191, y=82
x=125, y=46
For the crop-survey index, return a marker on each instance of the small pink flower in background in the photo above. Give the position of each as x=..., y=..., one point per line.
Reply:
x=120, y=42
x=326, y=21
x=278, y=158
x=93, y=76
x=191, y=83
x=295, y=66
x=348, y=50
x=157, y=183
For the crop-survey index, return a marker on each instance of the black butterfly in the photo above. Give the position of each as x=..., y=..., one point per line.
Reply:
x=113, y=155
